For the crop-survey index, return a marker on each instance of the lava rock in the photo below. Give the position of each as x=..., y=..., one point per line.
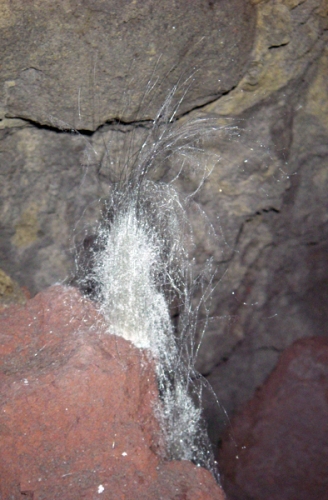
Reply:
x=276, y=447
x=77, y=410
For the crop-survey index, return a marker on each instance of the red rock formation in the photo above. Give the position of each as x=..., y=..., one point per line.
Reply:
x=76, y=410
x=277, y=445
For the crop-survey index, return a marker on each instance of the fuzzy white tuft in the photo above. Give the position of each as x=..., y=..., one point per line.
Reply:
x=127, y=269
x=142, y=270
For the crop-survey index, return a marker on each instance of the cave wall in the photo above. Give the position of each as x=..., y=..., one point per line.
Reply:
x=103, y=69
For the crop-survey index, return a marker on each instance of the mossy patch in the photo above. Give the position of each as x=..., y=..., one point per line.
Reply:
x=26, y=228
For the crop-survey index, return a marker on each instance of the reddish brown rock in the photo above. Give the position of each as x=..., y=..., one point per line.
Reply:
x=76, y=410
x=277, y=447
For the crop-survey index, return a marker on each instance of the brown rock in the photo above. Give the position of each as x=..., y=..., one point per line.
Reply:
x=76, y=410
x=11, y=292
x=277, y=446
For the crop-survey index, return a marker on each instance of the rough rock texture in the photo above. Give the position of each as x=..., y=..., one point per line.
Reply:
x=77, y=410
x=260, y=66
x=11, y=292
x=276, y=447
x=73, y=61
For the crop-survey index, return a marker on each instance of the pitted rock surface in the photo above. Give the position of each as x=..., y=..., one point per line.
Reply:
x=77, y=410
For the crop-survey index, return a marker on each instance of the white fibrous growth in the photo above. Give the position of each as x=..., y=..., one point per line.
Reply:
x=127, y=268
x=136, y=279
x=142, y=270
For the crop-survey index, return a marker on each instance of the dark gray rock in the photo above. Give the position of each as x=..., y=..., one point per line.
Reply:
x=73, y=63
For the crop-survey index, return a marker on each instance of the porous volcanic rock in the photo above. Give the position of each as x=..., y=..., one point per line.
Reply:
x=277, y=446
x=77, y=410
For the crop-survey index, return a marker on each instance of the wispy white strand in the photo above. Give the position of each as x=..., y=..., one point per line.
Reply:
x=142, y=269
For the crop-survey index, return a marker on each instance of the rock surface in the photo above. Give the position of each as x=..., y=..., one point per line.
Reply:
x=74, y=61
x=276, y=448
x=77, y=410
x=11, y=292
x=263, y=69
